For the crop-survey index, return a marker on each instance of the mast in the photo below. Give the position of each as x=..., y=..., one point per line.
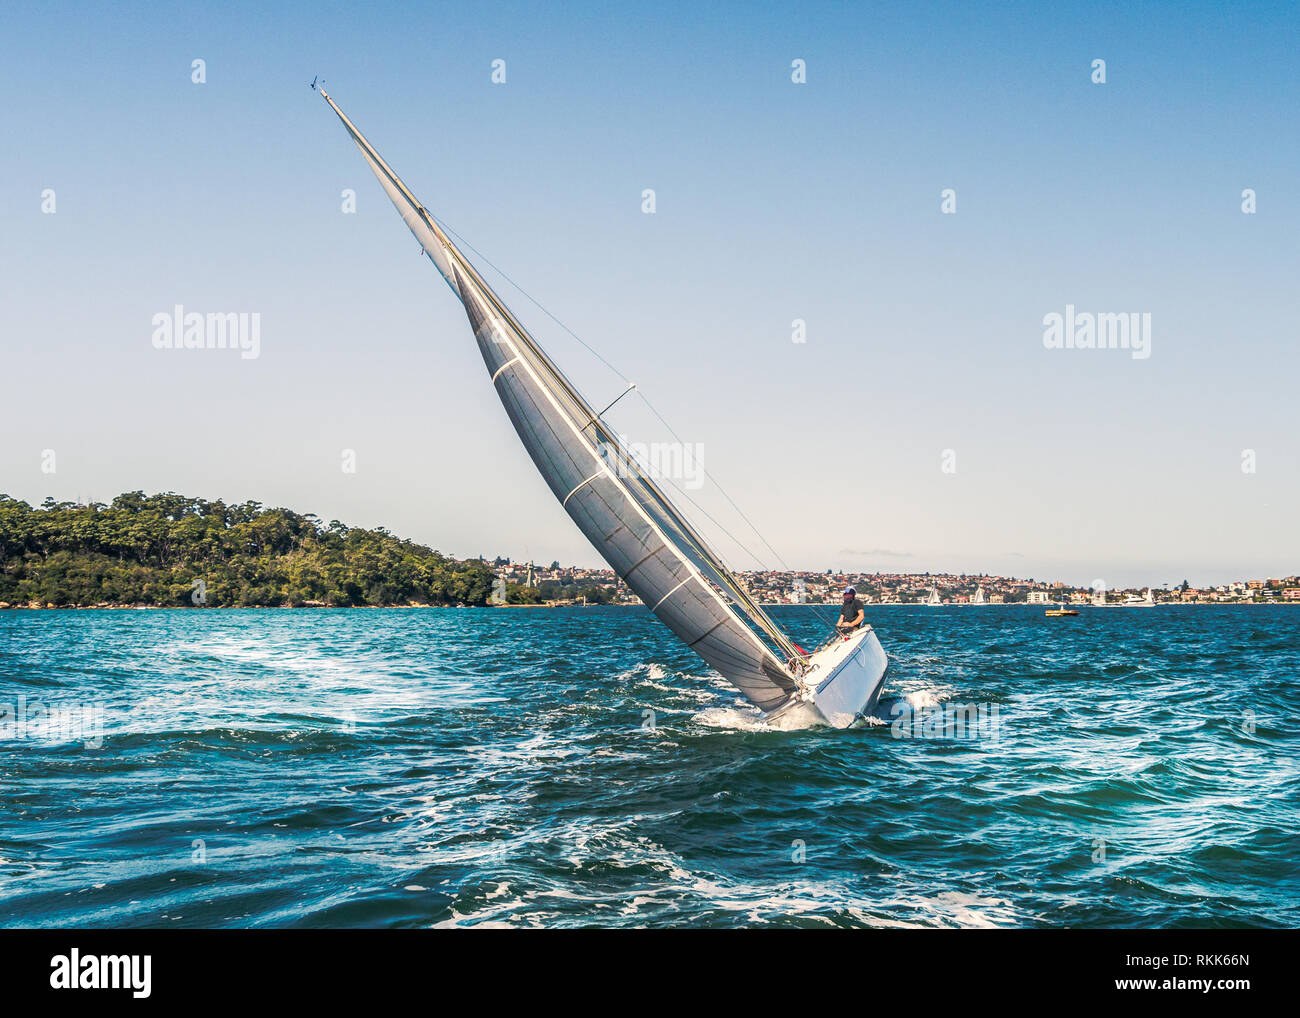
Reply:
x=461, y=268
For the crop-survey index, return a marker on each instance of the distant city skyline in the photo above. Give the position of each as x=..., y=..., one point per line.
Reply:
x=822, y=587
x=870, y=234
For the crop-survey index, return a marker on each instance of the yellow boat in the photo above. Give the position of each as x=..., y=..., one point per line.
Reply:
x=1052, y=613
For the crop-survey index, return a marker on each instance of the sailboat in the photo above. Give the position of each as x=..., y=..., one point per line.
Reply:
x=628, y=519
x=933, y=600
x=1099, y=600
x=979, y=597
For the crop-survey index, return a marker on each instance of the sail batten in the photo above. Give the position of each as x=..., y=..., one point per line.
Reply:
x=628, y=520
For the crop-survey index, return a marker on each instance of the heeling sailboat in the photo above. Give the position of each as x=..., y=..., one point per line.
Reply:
x=629, y=520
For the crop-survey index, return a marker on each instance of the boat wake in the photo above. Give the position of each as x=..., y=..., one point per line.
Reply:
x=736, y=719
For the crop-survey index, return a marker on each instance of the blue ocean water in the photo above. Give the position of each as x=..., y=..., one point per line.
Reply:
x=579, y=767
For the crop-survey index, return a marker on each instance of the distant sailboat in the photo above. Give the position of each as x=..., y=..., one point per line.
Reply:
x=627, y=517
x=933, y=600
x=979, y=597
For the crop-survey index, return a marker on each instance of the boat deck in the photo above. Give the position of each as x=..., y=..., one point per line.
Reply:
x=827, y=659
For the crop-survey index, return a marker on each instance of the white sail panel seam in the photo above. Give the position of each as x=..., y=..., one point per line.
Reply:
x=496, y=374
x=673, y=591
x=579, y=487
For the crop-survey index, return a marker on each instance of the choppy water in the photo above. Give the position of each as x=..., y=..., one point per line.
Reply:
x=459, y=767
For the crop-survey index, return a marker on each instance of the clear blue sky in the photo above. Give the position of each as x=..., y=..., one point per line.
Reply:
x=775, y=201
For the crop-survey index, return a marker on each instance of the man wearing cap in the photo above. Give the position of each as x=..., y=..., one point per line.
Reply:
x=851, y=613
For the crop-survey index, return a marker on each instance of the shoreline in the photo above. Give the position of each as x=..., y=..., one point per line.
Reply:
x=440, y=607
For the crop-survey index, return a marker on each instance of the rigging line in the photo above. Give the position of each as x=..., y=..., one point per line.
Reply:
x=752, y=607
x=816, y=610
x=537, y=304
x=533, y=300
x=643, y=482
x=485, y=301
x=631, y=385
x=721, y=490
x=708, y=516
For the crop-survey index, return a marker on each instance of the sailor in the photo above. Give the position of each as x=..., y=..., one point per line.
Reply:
x=851, y=613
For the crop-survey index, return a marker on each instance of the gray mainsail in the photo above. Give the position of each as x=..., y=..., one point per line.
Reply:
x=621, y=511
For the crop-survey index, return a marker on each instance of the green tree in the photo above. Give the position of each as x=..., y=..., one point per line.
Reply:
x=150, y=549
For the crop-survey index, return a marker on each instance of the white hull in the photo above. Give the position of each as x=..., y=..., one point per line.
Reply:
x=844, y=681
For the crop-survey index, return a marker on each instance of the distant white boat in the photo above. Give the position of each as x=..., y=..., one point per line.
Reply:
x=979, y=597
x=933, y=600
x=627, y=517
x=1133, y=601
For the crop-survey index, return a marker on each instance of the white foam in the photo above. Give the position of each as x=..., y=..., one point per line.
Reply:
x=732, y=718
x=928, y=696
